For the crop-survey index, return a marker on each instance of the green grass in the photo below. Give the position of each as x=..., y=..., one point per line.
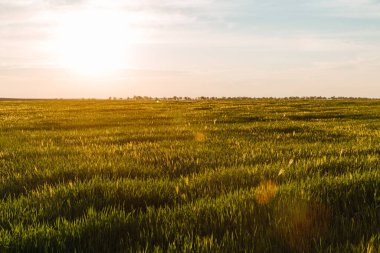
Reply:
x=190, y=176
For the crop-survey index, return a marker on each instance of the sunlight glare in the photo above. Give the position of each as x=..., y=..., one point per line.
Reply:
x=92, y=42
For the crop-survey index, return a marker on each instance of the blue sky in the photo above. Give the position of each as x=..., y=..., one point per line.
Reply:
x=189, y=48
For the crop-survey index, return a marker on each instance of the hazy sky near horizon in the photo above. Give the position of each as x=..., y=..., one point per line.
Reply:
x=100, y=48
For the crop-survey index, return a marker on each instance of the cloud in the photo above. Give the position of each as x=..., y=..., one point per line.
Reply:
x=65, y=2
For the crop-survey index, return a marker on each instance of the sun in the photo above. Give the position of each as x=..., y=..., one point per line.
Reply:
x=92, y=42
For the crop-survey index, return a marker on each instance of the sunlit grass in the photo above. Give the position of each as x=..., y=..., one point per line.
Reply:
x=190, y=176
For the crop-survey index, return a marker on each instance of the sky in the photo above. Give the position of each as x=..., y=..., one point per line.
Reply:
x=254, y=48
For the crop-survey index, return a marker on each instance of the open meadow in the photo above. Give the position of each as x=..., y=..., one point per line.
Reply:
x=190, y=176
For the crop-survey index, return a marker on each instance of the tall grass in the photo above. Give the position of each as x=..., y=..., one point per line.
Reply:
x=190, y=176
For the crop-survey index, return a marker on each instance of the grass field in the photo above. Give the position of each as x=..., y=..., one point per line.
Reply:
x=190, y=176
